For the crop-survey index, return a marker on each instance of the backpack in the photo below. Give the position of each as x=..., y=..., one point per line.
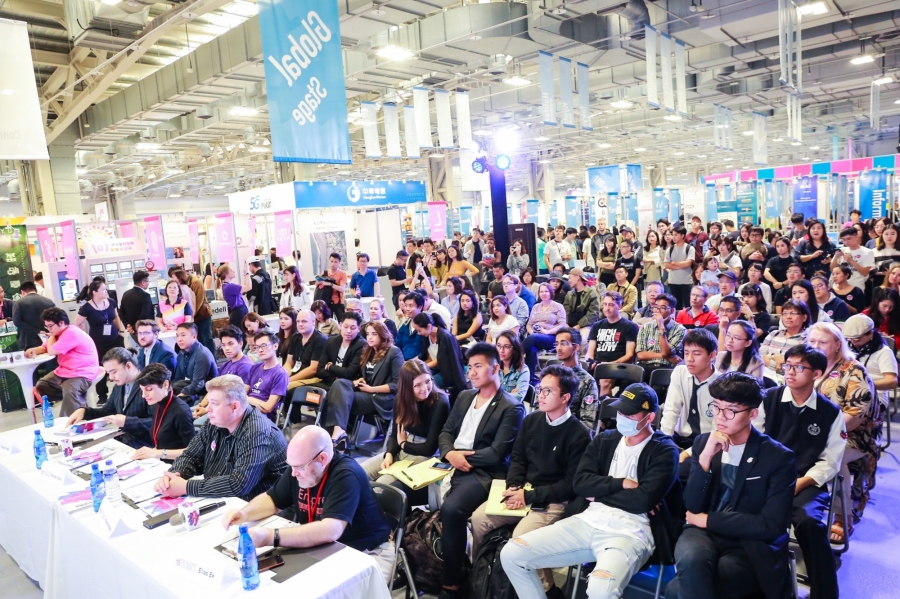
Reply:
x=486, y=578
x=422, y=544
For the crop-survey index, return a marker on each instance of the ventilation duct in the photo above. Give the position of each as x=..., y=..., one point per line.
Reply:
x=102, y=26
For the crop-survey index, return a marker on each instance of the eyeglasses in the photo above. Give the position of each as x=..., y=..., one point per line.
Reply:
x=544, y=391
x=661, y=309
x=424, y=384
x=785, y=368
x=728, y=310
x=820, y=287
x=728, y=413
x=263, y=346
x=303, y=467
x=504, y=347
x=730, y=337
x=564, y=344
x=783, y=314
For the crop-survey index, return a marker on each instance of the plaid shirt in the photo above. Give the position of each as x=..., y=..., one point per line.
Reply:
x=648, y=340
x=775, y=344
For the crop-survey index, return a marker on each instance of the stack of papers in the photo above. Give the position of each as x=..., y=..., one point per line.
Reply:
x=230, y=547
x=495, y=504
x=418, y=476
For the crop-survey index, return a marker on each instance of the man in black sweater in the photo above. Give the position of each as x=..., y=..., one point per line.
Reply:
x=624, y=474
x=738, y=499
x=804, y=421
x=544, y=459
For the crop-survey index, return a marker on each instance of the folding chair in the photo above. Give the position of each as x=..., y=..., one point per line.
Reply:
x=837, y=488
x=392, y=502
x=384, y=425
x=530, y=401
x=631, y=373
x=313, y=398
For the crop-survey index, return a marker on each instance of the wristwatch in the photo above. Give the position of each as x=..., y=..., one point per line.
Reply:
x=277, y=541
x=165, y=453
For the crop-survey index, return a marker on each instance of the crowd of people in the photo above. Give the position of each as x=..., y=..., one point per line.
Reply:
x=779, y=356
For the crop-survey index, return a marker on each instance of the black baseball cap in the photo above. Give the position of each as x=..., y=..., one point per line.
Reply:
x=636, y=398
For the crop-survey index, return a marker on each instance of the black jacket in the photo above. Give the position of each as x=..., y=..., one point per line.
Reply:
x=134, y=305
x=136, y=412
x=761, y=506
x=26, y=315
x=386, y=372
x=350, y=368
x=494, y=438
x=177, y=427
x=160, y=354
x=261, y=293
x=449, y=360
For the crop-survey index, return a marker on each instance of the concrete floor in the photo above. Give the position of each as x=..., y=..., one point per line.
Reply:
x=868, y=571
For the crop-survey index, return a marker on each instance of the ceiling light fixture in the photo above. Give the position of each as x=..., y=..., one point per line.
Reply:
x=884, y=80
x=679, y=153
x=541, y=138
x=796, y=143
x=392, y=52
x=747, y=133
x=7, y=92
x=604, y=145
x=621, y=104
x=672, y=117
x=517, y=80
x=813, y=147
x=863, y=59
x=729, y=159
x=776, y=139
x=812, y=8
x=242, y=111
x=701, y=155
x=146, y=146
x=640, y=149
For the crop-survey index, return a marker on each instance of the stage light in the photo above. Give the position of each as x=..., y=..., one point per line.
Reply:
x=506, y=140
x=479, y=165
x=503, y=162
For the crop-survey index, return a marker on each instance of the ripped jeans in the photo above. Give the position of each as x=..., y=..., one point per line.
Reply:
x=569, y=542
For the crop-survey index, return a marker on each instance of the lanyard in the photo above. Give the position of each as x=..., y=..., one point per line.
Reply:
x=311, y=508
x=158, y=425
x=105, y=311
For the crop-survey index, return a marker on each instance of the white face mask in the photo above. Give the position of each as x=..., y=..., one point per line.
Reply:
x=629, y=427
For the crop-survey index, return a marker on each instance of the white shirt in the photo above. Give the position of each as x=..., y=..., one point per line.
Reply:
x=441, y=311
x=829, y=461
x=432, y=350
x=147, y=351
x=566, y=415
x=862, y=256
x=713, y=302
x=297, y=302
x=555, y=250
x=678, y=403
x=507, y=324
x=466, y=438
x=881, y=362
x=610, y=519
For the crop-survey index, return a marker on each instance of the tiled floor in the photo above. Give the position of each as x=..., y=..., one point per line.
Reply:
x=868, y=571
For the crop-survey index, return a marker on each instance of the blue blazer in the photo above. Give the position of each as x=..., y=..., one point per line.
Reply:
x=160, y=354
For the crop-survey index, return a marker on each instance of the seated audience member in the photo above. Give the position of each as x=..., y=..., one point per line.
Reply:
x=625, y=475
x=547, y=317
x=467, y=323
x=754, y=304
x=152, y=350
x=76, y=355
x=267, y=381
x=420, y=411
x=659, y=341
x=796, y=416
x=845, y=383
x=796, y=320
x=352, y=304
x=124, y=408
x=730, y=308
x=546, y=454
x=727, y=287
x=741, y=350
x=324, y=322
x=477, y=440
x=252, y=324
x=495, y=288
x=455, y=287
x=377, y=314
x=802, y=291
x=526, y=294
x=441, y=353
x=754, y=277
x=885, y=313
x=501, y=319
x=585, y=403
x=776, y=268
x=582, y=304
x=231, y=340
x=370, y=393
x=194, y=365
x=853, y=296
x=429, y=306
x=329, y=496
x=239, y=452
x=514, y=375
x=26, y=315
x=644, y=315
x=794, y=274
x=171, y=426
x=287, y=330
x=628, y=291
x=698, y=314
x=559, y=286
x=303, y=360
x=136, y=304
x=828, y=303
x=873, y=353
x=341, y=354
x=408, y=340
x=517, y=306
x=613, y=339
x=738, y=499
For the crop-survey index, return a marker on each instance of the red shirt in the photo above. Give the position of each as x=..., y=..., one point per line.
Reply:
x=686, y=318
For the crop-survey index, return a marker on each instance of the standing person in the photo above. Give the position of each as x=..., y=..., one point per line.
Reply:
x=860, y=259
x=104, y=325
x=336, y=279
x=854, y=297
x=260, y=294
x=441, y=353
x=177, y=274
x=26, y=315
x=514, y=375
x=477, y=440
x=678, y=263
x=542, y=267
x=798, y=230
x=654, y=256
x=397, y=277
x=547, y=317
x=295, y=293
x=784, y=416
x=173, y=309
x=606, y=262
x=756, y=251
x=698, y=314
x=613, y=339
x=233, y=295
x=202, y=311
x=741, y=349
x=136, y=303
x=459, y=267
x=659, y=342
x=364, y=279
x=78, y=362
x=543, y=465
x=729, y=257
x=518, y=259
x=736, y=541
x=152, y=350
x=697, y=237
x=558, y=250
x=475, y=249
x=816, y=251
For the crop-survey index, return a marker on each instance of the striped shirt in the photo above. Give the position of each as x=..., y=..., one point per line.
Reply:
x=240, y=464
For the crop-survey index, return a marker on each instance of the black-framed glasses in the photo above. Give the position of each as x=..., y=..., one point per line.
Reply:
x=786, y=367
x=544, y=391
x=504, y=347
x=728, y=413
x=730, y=337
x=303, y=467
x=783, y=314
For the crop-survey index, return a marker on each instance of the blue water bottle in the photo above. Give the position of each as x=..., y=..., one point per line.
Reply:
x=249, y=564
x=40, y=449
x=98, y=488
x=47, y=410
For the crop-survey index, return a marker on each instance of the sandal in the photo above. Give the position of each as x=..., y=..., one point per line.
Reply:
x=838, y=533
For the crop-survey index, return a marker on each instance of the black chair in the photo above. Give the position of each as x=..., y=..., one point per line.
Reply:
x=305, y=400
x=392, y=502
x=630, y=373
x=530, y=399
x=384, y=425
x=769, y=383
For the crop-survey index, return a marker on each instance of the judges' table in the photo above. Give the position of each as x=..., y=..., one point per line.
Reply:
x=24, y=369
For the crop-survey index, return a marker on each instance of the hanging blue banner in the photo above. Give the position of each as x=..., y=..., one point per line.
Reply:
x=465, y=220
x=630, y=207
x=548, y=88
x=305, y=81
x=747, y=203
x=488, y=219
x=613, y=201
x=573, y=208
x=633, y=181
x=773, y=209
x=554, y=214
x=454, y=220
x=509, y=214
x=421, y=223
x=531, y=211
x=712, y=209
x=873, y=194
x=660, y=204
x=674, y=205
x=604, y=179
x=806, y=196
x=357, y=194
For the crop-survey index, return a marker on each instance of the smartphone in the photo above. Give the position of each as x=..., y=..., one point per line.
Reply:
x=441, y=466
x=273, y=561
x=539, y=507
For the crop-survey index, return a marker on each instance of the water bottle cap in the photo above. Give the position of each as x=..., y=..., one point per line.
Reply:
x=242, y=528
x=109, y=462
x=95, y=467
x=38, y=433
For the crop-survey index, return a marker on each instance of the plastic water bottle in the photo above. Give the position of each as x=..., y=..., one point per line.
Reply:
x=40, y=449
x=111, y=482
x=47, y=410
x=249, y=564
x=98, y=489
x=358, y=291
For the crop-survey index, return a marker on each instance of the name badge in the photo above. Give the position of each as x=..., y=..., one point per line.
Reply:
x=113, y=525
x=8, y=447
x=206, y=573
x=107, y=330
x=57, y=474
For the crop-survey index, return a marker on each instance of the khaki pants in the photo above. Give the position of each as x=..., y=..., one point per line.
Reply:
x=482, y=524
x=295, y=384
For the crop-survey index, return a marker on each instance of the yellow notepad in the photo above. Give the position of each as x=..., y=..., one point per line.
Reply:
x=421, y=475
x=496, y=506
x=395, y=468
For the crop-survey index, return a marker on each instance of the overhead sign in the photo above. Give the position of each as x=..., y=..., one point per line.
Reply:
x=873, y=186
x=21, y=124
x=96, y=247
x=357, y=194
x=305, y=81
x=806, y=196
x=265, y=200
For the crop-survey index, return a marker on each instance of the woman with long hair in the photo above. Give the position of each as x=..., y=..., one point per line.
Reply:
x=295, y=294
x=841, y=287
x=846, y=384
x=514, y=375
x=378, y=314
x=796, y=320
x=887, y=251
x=104, y=325
x=233, y=295
x=458, y=266
x=441, y=353
x=501, y=319
x=172, y=424
x=754, y=309
x=547, y=317
x=455, y=288
x=892, y=277
x=373, y=392
x=803, y=291
x=184, y=281
x=755, y=277
x=518, y=259
x=173, y=308
x=885, y=313
x=468, y=322
x=741, y=349
x=816, y=250
x=529, y=281
x=776, y=267
x=743, y=236
x=324, y=322
x=287, y=330
x=440, y=264
x=877, y=228
x=606, y=262
x=654, y=256
x=416, y=271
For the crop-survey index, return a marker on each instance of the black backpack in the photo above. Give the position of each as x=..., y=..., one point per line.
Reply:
x=487, y=578
x=422, y=544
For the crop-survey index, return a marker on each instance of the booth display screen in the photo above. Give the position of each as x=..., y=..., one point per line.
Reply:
x=111, y=266
x=96, y=269
x=139, y=263
x=125, y=274
x=68, y=290
x=154, y=295
x=125, y=265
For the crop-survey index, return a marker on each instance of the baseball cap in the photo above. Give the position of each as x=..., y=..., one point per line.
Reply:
x=637, y=397
x=626, y=228
x=730, y=275
x=577, y=272
x=857, y=326
x=696, y=218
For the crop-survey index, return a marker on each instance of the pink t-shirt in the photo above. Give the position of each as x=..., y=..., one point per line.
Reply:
x=77, y=355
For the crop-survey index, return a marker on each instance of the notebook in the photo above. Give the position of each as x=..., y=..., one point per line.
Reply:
x=495, y=505
x=419, y=476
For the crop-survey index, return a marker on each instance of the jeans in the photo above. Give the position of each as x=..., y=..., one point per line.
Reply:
x=204, y=334
x=534, y=343
x=466, y=494
x=569, y=542
x=710, y=566
x=808, y=518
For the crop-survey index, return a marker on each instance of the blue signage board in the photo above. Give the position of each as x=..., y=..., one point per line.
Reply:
x=773, y=203
x=873, y=194
x=604, y=179
x=465, y=220
x=531, y=211
x=630, y=204
x=633, y=180
x=712, y=208
x=806, y=196
x=573, y=211
x=357, y=194
x=674, y=205
x=305, y=89
x=660, y=204
x=554, y=213
x=613, y=200
x=747, y=203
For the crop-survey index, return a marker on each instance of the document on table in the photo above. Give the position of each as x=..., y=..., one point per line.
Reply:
x=495, y=503
x=76, y=500
x=230, y=547
x=160, y=505
x=141, y=492
x=86, y=458
x=418, y=476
